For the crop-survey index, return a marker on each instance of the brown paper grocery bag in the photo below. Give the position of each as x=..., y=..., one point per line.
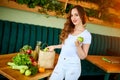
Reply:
x=46, y=59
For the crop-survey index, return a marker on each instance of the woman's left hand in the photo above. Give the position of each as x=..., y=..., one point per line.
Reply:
x=77, y=43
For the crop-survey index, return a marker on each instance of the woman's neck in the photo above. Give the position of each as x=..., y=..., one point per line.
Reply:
x=79, y=28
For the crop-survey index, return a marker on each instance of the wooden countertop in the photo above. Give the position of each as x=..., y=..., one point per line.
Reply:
x=110, y=64
x=11, y=74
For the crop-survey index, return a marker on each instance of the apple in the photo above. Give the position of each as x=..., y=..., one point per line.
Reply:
x=28, y=51
x=27, y=72
x=81, y=39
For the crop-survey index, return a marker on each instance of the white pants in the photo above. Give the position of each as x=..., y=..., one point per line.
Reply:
x=67, y=68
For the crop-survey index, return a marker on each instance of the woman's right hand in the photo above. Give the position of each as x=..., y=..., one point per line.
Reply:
x=51, y=48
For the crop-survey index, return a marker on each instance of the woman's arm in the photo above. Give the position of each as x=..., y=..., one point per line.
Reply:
x=82, y=50
x=52, y=47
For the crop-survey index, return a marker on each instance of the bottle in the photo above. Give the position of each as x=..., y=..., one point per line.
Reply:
x=36, y=51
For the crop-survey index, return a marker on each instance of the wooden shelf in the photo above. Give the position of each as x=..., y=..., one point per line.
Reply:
x=12, y=4
x=90, y=6
x=113, y=11
x=84, y=4
x=95, y=7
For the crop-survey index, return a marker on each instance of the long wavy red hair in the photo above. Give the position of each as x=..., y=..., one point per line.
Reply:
x=69, y=26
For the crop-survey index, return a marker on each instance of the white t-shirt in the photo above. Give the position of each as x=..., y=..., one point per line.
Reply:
x=69, y=49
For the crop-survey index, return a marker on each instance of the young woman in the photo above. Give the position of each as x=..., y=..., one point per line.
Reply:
x=72, y=50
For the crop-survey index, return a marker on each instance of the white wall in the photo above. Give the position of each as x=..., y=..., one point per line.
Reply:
x=51, y=21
